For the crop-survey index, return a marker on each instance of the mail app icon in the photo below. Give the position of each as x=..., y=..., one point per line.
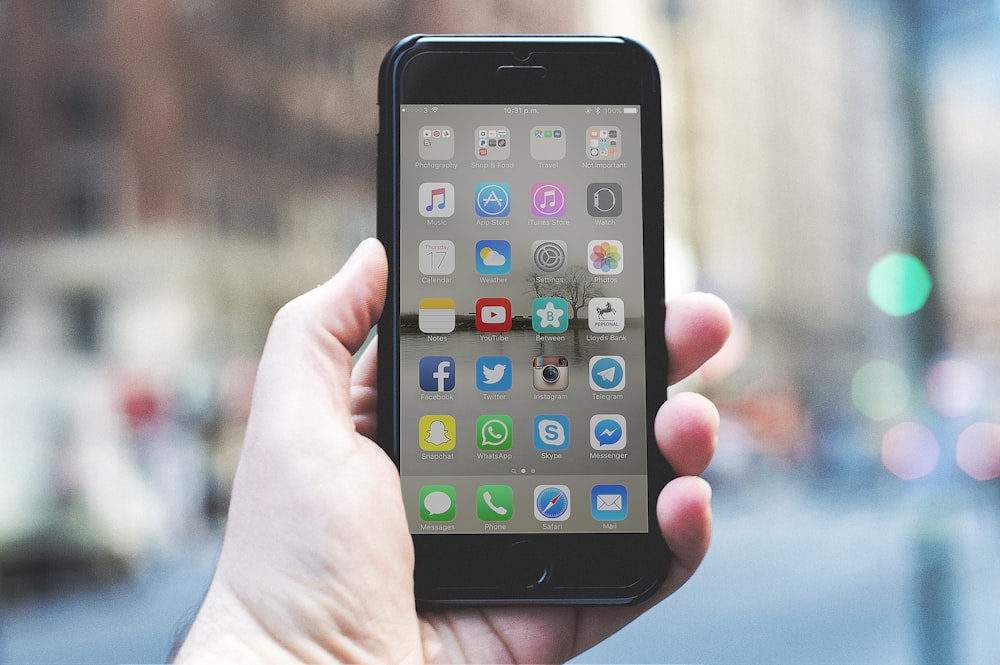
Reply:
x=609, y=503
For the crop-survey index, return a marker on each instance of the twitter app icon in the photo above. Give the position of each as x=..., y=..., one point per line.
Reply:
x=494, y=373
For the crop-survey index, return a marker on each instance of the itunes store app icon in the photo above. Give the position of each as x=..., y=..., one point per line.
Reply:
x=548, y=199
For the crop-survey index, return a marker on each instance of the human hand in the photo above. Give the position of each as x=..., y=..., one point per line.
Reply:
x=308, y=573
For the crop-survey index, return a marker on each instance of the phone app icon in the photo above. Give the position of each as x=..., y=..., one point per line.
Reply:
x=436, y=257
x=552, y=503
x=436, y=199
x=548, y=199
x=493, y=432
x=436, y=142
x=549, y=256
x=609, y=503
x=436, y=316
x=605, y=257
x=550, y=373
x=492, y=142
x=437, y=433
x=494, y=503
x=494, y=373
x=549, y=315
x=551, y=432
x=607, y=431
x=604, y=199
x=493, y=315
x=437, y=374
x=548, y=143
x=437, y=503
x=607, y=373
x=606, y=314
x=492, y=257
x=492, y=199
x=604, y=142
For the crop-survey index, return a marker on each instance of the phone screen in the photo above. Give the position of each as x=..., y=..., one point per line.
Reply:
x=522, y=385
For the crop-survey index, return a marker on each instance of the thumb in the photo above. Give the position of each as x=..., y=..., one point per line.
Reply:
x=307, y=358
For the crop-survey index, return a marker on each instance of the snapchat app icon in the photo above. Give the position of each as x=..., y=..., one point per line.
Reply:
x=437, y=433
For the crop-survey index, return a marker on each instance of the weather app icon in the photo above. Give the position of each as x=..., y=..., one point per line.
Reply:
x=492, y=199
x=607, y=431
x=492, y=257
x=607, y=373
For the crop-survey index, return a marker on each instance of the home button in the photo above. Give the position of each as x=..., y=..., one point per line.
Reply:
x=528, y=568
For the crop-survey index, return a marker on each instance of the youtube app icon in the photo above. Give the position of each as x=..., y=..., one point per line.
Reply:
x=493, y=315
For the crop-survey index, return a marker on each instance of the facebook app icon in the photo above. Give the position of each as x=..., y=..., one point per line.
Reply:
x=437, y=374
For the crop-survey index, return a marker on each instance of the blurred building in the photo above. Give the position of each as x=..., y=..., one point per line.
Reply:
x=962, y=45
x=792, y=152
x=171, y=172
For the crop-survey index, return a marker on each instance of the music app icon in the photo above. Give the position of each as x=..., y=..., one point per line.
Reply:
x=548, y=199
x=437, y=199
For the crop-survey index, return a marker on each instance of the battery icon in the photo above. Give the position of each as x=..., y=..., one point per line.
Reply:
x=630, y=109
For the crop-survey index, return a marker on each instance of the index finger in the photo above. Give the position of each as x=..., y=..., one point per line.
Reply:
x=696, y=326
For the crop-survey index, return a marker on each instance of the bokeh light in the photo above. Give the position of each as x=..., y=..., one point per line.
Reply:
x=955, y=388
x=910, y=451
x=899, y=284
x=978, y=451
x=880, y=390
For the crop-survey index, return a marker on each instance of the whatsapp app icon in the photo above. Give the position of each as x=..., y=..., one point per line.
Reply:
x=493, y=432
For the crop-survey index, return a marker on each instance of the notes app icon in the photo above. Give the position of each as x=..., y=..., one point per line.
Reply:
x=436, y=199
x=436, y=315
x=548, y=199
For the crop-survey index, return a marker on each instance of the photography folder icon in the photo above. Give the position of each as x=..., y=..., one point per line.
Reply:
x=611, y=502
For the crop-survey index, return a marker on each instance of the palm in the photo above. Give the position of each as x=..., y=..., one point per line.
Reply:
x=308, y=571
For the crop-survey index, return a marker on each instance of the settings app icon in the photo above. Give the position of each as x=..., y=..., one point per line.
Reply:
x=549, y=256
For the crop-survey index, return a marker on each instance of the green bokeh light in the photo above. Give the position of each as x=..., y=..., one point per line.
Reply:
x=899, y=284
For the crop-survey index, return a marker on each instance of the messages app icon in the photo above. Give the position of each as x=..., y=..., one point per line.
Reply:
x=437, y=503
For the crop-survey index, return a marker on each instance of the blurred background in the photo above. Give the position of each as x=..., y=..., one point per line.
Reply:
x=172, y=171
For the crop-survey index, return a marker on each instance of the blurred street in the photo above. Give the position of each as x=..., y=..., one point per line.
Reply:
x=790, y=578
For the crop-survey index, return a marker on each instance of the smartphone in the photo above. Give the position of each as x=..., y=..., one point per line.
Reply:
x=521, y=353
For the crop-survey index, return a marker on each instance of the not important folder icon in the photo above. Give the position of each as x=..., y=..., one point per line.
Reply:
x=437, y=315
